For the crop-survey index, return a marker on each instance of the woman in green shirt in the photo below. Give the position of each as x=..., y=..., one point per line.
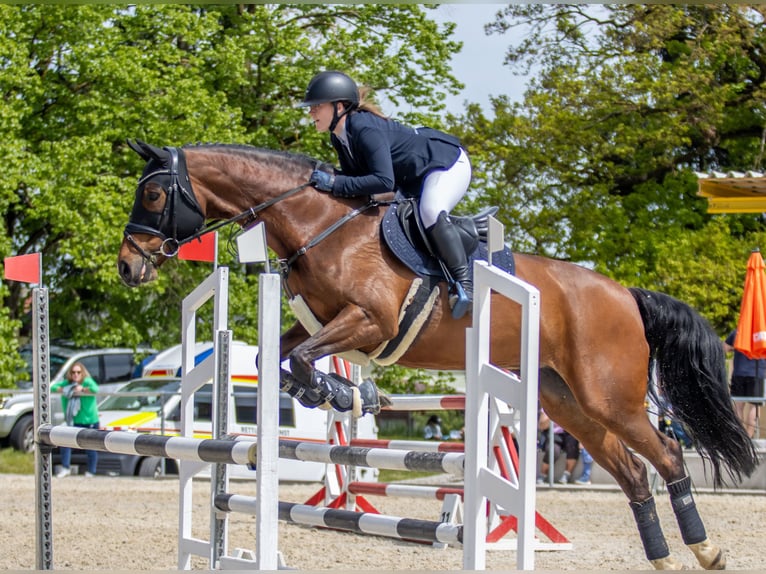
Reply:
x=81, y=410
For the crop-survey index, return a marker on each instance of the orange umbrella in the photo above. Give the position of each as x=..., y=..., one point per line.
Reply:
x=751, y=329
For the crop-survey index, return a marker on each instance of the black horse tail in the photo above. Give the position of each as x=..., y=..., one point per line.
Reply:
x=691, y=374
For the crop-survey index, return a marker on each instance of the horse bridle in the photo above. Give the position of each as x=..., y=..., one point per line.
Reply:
x=188, y=207
x=181, y=206
x=188, y=202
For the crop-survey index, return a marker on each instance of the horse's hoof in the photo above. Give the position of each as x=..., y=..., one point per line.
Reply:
x=709, y=555
x=667, y=563
x=369, y=398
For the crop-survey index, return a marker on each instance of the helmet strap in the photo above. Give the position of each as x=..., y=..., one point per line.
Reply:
x=337, y=116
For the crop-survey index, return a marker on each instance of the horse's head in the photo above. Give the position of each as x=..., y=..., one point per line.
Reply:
x=165, y=212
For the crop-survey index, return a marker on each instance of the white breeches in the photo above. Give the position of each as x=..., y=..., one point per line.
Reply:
x=442, y=189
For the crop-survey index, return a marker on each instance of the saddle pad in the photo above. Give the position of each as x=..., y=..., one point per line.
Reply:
x=423, y=263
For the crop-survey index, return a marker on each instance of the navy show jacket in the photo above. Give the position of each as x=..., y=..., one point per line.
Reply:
x=385, y=155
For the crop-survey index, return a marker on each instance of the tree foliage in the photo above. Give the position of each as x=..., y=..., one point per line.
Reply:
x=625, y=103
x=77, y=81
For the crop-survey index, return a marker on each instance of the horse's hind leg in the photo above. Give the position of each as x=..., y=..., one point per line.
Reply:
x=611, y=454
x=709, y=556
x=666, y=455
x=632, y=427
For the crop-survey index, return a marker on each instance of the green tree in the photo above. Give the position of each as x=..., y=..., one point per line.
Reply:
x=77, y=81
x=626, y=102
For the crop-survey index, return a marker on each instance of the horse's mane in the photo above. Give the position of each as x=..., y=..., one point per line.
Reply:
x=259, y=154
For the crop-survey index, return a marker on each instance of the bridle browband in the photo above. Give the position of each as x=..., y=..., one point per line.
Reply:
x=169, y=216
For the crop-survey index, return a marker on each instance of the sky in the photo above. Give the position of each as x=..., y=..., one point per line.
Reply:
x=479, y=65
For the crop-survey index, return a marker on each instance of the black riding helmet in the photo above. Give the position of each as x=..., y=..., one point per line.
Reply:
x=333, y=87
x=330, y=87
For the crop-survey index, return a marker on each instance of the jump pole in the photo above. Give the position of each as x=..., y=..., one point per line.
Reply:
x=359, y=522
x=246, y=452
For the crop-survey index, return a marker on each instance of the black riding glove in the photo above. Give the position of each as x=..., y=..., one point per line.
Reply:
x=322, y=180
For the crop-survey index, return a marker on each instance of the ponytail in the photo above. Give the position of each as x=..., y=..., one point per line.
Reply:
x=367, y=102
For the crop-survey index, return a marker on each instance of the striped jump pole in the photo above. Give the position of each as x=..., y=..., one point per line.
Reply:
x=422, y=445
x=426, y=403
x=244, y=452
x=359, y=522
x=449, y=462
x=123, y=442
x=404, y=490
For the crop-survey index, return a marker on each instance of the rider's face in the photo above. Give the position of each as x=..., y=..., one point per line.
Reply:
x=321, y=114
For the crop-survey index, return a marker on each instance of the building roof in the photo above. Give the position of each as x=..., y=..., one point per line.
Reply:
x=733, y=192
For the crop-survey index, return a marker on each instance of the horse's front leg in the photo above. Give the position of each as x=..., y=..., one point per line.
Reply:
x=293, y=337
x=353, y=328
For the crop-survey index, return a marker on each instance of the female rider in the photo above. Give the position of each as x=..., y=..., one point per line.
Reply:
x=379, y=155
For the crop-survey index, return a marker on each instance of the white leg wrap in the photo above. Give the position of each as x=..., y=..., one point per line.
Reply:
x=709, y=555
x=356, y=410
x=667, y=563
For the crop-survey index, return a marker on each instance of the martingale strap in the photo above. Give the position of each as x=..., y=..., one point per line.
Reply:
x=287, y=265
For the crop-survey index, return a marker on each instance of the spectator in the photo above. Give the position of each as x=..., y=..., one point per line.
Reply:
x=433, y=429
x=746, y=381
x=81, y=410
x=587, y=467
x=563, y=442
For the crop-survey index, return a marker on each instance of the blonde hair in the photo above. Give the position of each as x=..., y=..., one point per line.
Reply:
x=367, y=102
x=85, y=372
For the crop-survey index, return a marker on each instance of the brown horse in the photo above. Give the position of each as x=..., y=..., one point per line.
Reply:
x=598, y=340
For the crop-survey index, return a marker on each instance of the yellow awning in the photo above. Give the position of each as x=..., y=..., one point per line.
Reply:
x=733, y=192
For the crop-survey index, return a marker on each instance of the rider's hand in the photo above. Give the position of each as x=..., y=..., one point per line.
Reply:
x=322, y=180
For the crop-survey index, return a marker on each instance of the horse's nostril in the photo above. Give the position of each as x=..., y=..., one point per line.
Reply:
x=124, y=270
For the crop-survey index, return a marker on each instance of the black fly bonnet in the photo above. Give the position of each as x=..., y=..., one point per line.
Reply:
x=182, y=215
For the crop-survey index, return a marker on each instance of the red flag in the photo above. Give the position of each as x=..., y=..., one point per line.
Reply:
x=202, y=249
x=25, y=268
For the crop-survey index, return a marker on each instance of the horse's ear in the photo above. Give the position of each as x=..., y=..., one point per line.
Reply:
x=147, y=151
x=137, y=147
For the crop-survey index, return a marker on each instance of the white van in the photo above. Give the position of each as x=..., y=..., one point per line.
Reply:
x=154, y=407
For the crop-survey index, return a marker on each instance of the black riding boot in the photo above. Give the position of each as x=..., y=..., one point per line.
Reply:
x=445, y=241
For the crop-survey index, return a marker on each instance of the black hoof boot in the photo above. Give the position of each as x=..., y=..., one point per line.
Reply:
x=309, y=398
x=370, y=398
x=344, y=396
x=336, y=390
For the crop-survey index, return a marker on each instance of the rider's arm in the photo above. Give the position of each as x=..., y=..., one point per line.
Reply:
x=375, y=153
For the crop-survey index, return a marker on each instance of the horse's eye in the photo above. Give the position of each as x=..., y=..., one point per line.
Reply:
x=153, y=195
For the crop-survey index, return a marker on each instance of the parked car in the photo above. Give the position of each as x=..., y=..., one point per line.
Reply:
x=152, y=404
x=111, y=368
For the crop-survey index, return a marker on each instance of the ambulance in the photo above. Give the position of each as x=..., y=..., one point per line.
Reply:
x=152, y=404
